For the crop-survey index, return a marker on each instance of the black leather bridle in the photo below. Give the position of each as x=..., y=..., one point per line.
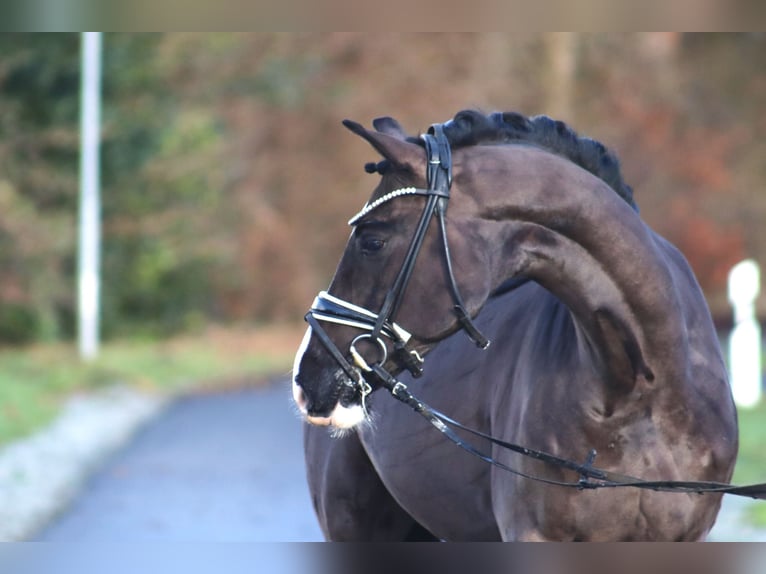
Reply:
x=327, y=308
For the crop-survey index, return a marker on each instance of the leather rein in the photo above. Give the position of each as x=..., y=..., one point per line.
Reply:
x=327, y=308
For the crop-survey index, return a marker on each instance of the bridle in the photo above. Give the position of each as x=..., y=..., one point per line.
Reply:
x=376, y=326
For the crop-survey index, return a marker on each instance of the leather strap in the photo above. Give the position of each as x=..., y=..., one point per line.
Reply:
x=591, y=477
x=352, y=373
x=440, y=176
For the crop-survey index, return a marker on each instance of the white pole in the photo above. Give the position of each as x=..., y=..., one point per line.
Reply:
x=90, y=204
x=745, y=338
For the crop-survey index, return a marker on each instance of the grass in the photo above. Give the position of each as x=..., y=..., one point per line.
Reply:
x=35, y=381
x=751, y=462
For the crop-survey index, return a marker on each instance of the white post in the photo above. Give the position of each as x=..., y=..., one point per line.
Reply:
x=90, y=204
x=745, y=338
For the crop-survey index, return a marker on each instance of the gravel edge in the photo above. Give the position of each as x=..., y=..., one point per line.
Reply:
x=41, y=474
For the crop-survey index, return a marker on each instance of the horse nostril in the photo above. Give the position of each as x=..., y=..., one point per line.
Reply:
x=313, y=411
x=309, y=406
x=317, y=409
x=306, y=405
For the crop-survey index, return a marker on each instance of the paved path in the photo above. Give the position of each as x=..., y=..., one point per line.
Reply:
x=226, y=467
x=215, y=467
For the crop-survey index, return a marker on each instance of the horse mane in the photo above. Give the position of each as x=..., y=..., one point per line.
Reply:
x=470, y=127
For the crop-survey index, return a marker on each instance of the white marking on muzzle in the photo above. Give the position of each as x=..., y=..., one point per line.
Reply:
x=341, y=417
x=300, y=352
x=298, y=396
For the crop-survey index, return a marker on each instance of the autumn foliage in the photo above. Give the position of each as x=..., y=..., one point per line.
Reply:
x=228, y=178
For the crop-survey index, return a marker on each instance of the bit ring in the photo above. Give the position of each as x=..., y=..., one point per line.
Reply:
x=359, y=360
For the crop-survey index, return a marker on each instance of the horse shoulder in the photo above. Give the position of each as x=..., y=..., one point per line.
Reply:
x=698, y=404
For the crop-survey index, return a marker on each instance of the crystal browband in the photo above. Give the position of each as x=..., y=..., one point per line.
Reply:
x=385, y=198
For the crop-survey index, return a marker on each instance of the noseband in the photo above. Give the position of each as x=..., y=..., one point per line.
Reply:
x=330, y=309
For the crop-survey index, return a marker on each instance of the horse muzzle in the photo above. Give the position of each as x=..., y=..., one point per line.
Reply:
x=332, y=399
x=340, y=416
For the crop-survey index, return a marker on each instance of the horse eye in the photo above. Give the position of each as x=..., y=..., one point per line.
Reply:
x=372, y=244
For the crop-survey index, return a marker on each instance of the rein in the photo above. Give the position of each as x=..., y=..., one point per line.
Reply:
x=591, y=477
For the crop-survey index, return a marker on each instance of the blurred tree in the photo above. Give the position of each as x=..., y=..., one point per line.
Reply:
x=39, y=83
x=688, y=124
x=227, y=176
x=162, y=187
x=165, y=227
x=563, y=53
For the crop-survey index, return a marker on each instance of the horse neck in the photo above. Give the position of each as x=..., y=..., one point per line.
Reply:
x=566, y=229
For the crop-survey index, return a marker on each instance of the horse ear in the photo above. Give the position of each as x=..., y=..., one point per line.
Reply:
x=398, y=151
x=389, y=126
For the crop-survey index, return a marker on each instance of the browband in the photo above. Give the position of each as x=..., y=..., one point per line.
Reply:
x=386, y=198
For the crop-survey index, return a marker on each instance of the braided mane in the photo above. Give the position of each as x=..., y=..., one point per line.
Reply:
x=470, y=127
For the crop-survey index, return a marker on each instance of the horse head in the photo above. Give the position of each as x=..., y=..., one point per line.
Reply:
x=410, y=275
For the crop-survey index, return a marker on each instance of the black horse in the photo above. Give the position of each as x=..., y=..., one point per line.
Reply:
x=601, y=339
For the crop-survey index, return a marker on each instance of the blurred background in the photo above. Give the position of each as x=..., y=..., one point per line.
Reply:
x=227, y=179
